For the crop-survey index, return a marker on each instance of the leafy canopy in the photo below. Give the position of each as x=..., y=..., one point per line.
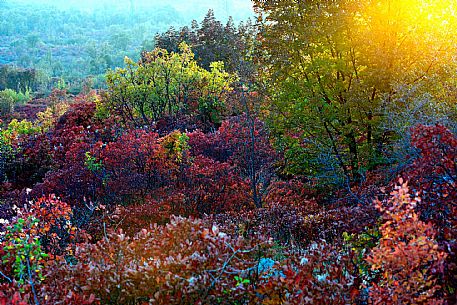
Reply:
x=331, y=69
x=164, y=83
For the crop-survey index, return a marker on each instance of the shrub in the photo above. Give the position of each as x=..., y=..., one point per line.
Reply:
x=6, y=102
x=322, y=275
x=434, y=176
x=407, y=256
x=10, y=98
x=182, y=262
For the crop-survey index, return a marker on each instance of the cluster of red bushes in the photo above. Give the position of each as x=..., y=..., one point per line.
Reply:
x=190, y=261
x=108, y=235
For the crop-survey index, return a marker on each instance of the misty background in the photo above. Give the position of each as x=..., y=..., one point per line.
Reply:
x=70, y=40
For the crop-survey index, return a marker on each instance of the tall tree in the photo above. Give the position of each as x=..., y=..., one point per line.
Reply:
x=332, y=67
x=212, y=41
x=209, y=34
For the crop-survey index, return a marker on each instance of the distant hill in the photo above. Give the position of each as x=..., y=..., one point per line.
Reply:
x=74, y=39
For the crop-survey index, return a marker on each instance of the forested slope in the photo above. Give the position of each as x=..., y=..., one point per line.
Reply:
x=309, y=157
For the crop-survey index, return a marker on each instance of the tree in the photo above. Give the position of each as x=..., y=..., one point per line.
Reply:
x=32, y=40
x=434, y=175
x=168, y=40
x=212, y=41
x=6, y=101
x=209, y=33
x=120, y=40
x=331, y=67
x=18, y=79
x=164, y=83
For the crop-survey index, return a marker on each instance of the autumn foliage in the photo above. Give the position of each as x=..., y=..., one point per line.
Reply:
x=109, y=234
x=185, y=184
x=407, y=257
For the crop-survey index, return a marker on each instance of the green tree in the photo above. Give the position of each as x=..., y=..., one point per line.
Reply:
x=163, y=83
x=6, y=102
x=212, y=41
x=330, y=69
x=9, y=98
x=32, y=40
x=120, y=40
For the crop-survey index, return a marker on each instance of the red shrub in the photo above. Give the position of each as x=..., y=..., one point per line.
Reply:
x=298, y=225
x=407, y=256
x=55, y=228
x=135, y=217
x=131, y=165
x=209, y=187
x=180, y=263
x=291, y=193
x=240, y=142
x=9, y=295
x=323, y=275
x=434, y=176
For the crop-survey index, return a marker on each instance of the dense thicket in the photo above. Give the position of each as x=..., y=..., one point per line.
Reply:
x=329, y=176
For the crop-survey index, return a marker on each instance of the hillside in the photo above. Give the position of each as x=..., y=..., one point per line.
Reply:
x=80, y=39
x=309, y=157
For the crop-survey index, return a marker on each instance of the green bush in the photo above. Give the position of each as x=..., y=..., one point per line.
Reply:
x=9, y=98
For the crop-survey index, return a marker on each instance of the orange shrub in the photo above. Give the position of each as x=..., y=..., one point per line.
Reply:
x=407, y=257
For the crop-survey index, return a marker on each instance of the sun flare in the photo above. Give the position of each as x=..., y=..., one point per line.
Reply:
x=436, y=17
x=417, y=33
